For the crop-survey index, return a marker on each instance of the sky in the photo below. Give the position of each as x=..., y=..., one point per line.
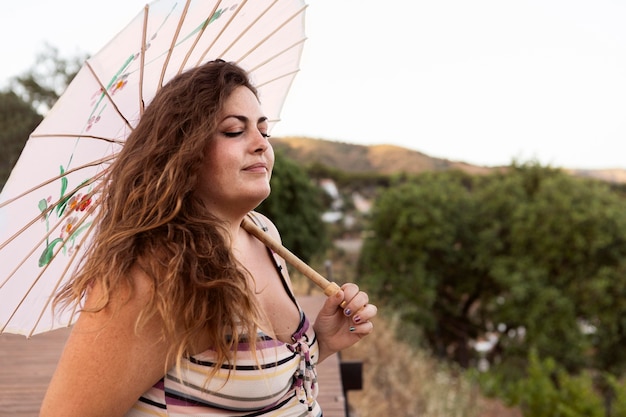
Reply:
x=486, y=82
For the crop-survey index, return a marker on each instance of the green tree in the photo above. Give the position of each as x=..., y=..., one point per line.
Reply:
x=17, y=120
x=618, y=403
x=419, y=233
x=43, y=84
x=533, y=256
x=549, y=391
x=30, y=94
x=295, y=206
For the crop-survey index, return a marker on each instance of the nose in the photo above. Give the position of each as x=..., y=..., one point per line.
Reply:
x=260, y=142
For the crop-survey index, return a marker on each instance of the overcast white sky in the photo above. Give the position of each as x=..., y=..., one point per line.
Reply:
x=481, y=81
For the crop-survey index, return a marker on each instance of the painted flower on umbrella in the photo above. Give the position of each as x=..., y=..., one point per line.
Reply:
x=119, y=84
x=92, y=121
x=69, y=207
x=79, y=202
x=69, y=232
x=69, y=226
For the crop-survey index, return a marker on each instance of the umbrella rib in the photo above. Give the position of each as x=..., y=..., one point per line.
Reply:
x=44, y=269
x=65, y=270
x=28, y=255
x=207, y=21
x=206, y=51
x=46, y=236
x=277, y=78
x=244, y=31
x=38, y=244
x=50, y=180
x=260, y=64
x=50, y=208
x=106, y=93
x=183, y=16
x=271, y=81
x=146, y=10
x=272, y=33
x=77, y=135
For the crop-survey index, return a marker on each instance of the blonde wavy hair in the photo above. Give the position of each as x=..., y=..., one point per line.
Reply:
x=153, y=219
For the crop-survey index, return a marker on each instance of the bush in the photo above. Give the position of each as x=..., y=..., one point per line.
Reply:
x=549, y=391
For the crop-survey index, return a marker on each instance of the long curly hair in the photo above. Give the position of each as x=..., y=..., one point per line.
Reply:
x=152, y=218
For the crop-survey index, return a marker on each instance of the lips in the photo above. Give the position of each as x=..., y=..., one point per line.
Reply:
x=259, y=167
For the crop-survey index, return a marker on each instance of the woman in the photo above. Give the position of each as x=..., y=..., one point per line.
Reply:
x=185, y=312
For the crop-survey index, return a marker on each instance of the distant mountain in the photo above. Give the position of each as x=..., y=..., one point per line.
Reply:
x=385, y=159
x=389, y=159
x=616, y=175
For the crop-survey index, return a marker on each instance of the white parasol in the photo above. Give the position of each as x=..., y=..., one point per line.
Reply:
x=50, y=201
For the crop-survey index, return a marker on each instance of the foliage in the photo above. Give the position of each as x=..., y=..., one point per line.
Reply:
x=44, y=83
x=618, y=405
x=549, y=391
x=532, y=257
x=17, y=121
x=348, y=181
x=295, y=206
x=418, y=230
x=36, y=90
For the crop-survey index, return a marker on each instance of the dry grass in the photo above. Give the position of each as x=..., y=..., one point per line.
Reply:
x=402, y=381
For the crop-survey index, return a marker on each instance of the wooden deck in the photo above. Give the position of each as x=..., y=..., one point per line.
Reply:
x=26, y=366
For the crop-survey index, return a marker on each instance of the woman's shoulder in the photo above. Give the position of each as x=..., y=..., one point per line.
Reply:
x=264, y=222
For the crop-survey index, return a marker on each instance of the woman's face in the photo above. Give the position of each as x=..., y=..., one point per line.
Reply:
x=239, y=158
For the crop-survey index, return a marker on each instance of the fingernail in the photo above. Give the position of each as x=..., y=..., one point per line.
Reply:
x=347, y=312
x=357, y=319
x=352, y=328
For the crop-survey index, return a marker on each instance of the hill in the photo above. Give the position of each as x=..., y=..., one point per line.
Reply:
x=389, y=159
x=385, y=159
x=616, y=175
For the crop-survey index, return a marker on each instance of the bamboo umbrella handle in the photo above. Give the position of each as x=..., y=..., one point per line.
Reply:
x=330, y=288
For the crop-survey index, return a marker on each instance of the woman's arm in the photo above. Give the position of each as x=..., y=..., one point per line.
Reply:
x=107, y=363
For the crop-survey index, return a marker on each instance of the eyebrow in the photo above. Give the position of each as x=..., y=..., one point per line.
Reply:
x=244, y=119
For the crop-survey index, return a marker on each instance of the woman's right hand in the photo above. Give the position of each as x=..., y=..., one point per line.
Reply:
x=338, y=328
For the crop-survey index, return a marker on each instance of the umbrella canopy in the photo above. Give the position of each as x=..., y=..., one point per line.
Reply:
x=49, y=204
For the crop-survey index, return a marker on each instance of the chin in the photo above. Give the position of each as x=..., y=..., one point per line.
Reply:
x=264, y=195
x=259, y=196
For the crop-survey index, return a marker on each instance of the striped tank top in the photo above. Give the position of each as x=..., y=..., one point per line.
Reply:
x=281, y=381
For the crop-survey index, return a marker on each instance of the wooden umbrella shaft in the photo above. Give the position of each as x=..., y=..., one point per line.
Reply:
x=330, y=288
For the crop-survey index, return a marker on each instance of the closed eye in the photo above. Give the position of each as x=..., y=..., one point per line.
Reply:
x=235, y=134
